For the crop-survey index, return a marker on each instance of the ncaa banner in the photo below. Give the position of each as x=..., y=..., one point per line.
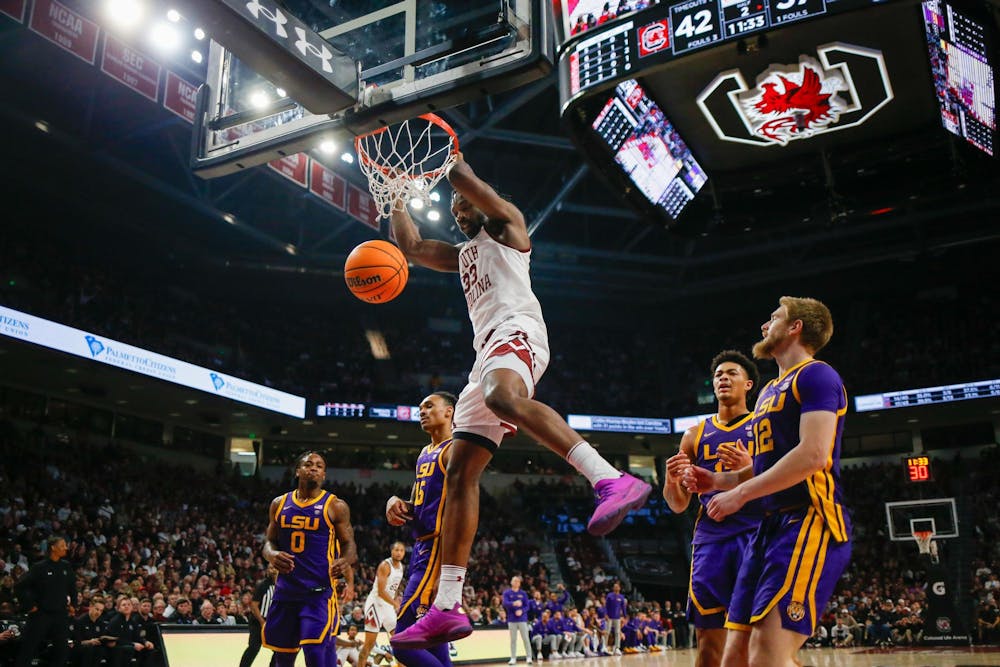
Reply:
x=31, y=329
x=14, y=9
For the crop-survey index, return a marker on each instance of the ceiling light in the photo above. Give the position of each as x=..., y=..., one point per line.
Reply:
x=435, y=196
x=196, y=56
x=199, y=34
x=173, y=15
x=165, y=37
x=433, y=216
x=290, y=249
x=348, y=158
x=329, y=147
x=191, y=401
x=259, y=99
x=228, y=217
x=42, y=125
x=417, y=204
x=280, y=92
x=124, y=13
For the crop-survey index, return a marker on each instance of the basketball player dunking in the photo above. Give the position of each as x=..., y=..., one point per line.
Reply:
x=310, y=542
x=718, y=443
x=380, y=605
x=425, y=509
x=512, y=352
x=803, y=543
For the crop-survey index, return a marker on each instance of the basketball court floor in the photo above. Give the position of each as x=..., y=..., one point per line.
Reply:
x=859, y=657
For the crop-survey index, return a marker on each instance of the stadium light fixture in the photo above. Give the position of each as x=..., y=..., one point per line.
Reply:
x=199, y=34
x=433, y=215
x=328, y=146
x=348, y=158
x=259, y=99
x=197, y=57
x=417, y=204
x=173, y=15
x=165, y=37
x=124, y=13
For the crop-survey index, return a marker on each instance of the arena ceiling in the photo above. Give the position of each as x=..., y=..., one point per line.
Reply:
x=859, y=206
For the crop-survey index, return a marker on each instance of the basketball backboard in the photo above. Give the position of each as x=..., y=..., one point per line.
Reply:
x=408, y=57
x=937, y=515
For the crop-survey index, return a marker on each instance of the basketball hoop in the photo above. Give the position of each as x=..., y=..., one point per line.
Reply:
x=406, y=161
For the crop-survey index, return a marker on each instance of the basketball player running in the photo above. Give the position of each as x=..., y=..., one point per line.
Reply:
x=425, y=510
x=803, y=543
x=717, y=443
x=380, y=605
x=512, y=352
x=310, y=542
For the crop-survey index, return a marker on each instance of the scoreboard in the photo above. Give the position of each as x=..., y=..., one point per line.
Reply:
x=917, y=469
x=927, y=395
x=665, y=31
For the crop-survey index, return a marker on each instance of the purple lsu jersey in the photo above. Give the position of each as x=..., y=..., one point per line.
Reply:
x=809, y=386
x=712, y=434
x=429, y=491
x=306, y=532
x=425, y=561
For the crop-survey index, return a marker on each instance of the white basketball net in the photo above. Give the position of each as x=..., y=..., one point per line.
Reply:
x=404, y=162
x=926, y=544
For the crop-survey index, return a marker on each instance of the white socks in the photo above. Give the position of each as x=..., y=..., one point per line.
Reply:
x=590, y=464
x=450, y=587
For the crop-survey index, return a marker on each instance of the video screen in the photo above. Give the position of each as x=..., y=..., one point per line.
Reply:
x=648, y=149
x=962, y=67
x=577, y=16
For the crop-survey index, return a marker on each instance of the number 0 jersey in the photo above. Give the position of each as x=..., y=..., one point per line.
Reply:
x=809, y=386
x=306, y=532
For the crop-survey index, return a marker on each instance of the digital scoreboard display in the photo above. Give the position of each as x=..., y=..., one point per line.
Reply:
x=400, y=413
x=619, y=424
x=662, y=31
x=963, y=69
x=927, y=396
x=917, y=469
x=648, y=149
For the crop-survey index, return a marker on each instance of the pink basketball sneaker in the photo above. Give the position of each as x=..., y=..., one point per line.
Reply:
x=436, y=627
x=615, y=498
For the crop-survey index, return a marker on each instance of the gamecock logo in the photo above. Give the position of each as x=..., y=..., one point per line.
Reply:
x=789, y=106
x=841, y=88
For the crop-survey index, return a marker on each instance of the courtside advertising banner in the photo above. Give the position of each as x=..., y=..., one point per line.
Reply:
x=31, y=329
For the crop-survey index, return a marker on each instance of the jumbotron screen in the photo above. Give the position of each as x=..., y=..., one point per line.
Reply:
x=648, y=149
x=962, y=66
x=577, y=16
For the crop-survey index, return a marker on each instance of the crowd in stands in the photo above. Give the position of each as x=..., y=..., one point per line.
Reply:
x=321, y=349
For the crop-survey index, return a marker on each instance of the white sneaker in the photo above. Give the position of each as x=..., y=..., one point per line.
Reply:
x=529, y=660
x=556, y=655
x=618, y=651
x=512, y=661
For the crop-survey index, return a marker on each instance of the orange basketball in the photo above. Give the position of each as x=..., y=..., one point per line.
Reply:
x=376, y=271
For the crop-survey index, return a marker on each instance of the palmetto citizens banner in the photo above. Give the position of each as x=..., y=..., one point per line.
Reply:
x=31, y=329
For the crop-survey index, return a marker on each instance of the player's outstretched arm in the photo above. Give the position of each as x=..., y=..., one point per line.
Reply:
x=282, y=561
x=430, y=253
x=506, y=222
x=678, y=498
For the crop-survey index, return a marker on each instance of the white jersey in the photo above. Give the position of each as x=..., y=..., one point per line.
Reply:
x=391, y=583
x=497, y=285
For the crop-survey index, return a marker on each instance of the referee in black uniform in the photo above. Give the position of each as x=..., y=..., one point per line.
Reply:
x=46, y=592
x=258, y=606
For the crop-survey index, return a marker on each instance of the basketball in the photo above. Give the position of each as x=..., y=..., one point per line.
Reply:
x=376, y=272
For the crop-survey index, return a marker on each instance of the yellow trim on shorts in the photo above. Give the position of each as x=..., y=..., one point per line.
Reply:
x=697, y=605
x=806, y=546
x=331, y=607
x=739, y=627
